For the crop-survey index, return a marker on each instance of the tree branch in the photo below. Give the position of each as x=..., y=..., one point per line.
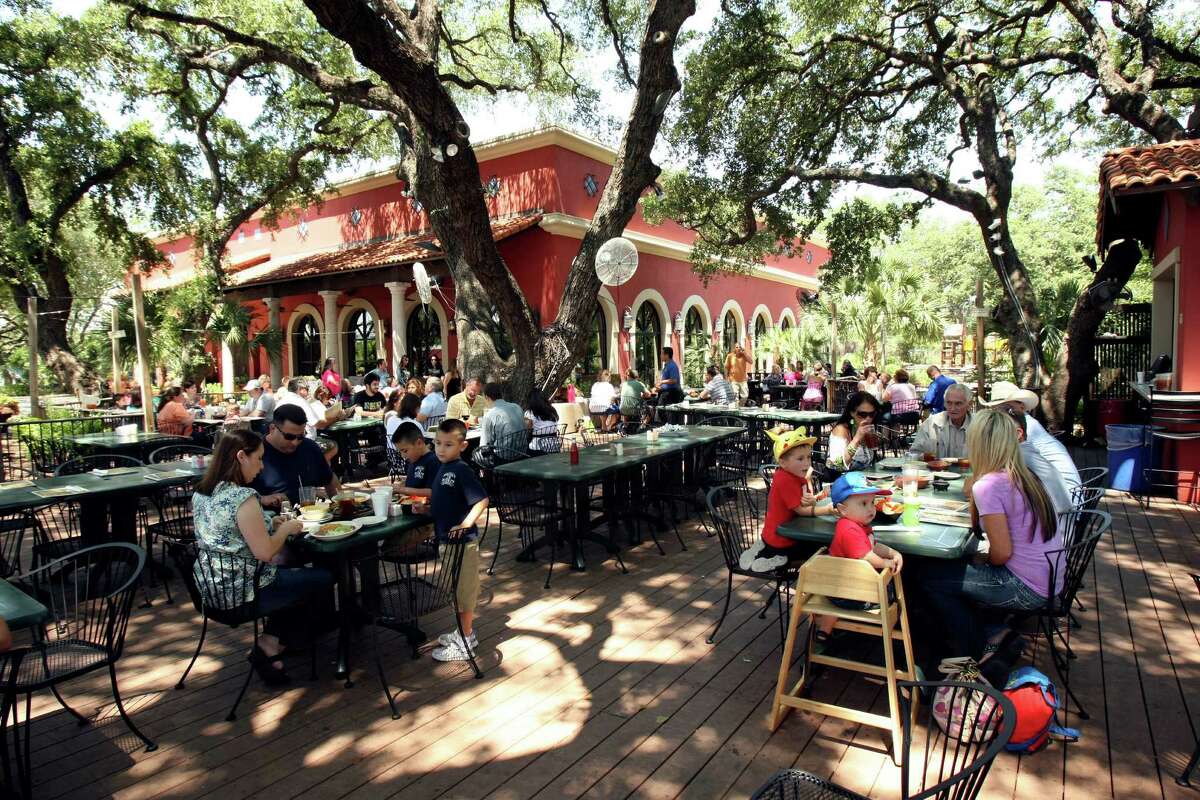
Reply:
x=607, y=17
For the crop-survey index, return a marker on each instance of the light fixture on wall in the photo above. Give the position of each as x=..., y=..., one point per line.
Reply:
x=627, y=318
x=679, y=322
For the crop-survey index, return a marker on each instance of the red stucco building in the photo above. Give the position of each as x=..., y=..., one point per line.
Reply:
x=337, y=278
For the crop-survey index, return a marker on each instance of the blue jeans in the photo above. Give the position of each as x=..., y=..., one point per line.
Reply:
x=959, y=590
x=282, y=601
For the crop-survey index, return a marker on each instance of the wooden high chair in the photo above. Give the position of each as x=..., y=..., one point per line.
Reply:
x=824, y=576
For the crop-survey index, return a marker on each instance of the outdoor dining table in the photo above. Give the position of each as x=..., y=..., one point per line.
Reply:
x=108, y=502
x=812, y=421
x=137, y=444
x=340, y=555
x=346, y=432
x=20, y=610
x=927, y=540
x=570, y=482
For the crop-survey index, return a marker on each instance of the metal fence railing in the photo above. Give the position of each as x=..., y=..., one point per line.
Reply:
x=31, y=448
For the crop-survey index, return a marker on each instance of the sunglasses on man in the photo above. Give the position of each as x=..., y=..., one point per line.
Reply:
x=288, y=437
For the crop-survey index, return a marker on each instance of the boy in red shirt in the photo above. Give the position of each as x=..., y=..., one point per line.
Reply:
x=854, y=499
x=790, y=497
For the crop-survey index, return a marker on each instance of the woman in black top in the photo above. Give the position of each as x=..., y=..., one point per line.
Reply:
x=433, y=366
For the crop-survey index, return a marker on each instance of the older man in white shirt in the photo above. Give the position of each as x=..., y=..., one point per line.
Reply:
x=945, y=433
x=1037, y=438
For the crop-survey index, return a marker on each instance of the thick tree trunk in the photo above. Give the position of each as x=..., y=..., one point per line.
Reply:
x=54, y=310
x=450, y=190
x=1076, y=361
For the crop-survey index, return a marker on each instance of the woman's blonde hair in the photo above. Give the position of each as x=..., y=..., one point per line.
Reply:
x=993, y=446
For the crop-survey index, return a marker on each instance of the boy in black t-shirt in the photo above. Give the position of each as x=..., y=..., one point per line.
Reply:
x=458, y=500
x=423, y=465
x=370, y=399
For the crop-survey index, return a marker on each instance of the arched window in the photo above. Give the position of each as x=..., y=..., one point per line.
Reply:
x=729, y=337
x=362, y=348
x=306, y=346
x=784, y=324
x=648, y=336
x=760, y=331
x=424, y=334
x=695, y=348
x=595, y=358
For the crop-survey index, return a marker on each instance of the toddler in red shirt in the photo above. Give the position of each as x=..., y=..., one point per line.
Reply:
x=790, y=497
x=854, y=499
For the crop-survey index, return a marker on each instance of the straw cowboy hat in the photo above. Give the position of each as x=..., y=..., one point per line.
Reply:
x=1005, y=392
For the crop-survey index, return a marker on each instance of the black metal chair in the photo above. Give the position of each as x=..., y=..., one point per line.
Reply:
x=178, y=452
x=1174, y=417
x=412, y=587
x=397, y=466
x=174, y=523
x=767, y=471
x=1086, y=497
x=941, y=767
x=730, y=460
x=82, y=465
x=432, y=422
x=57, y=533
x=89, y=594
x=1092, y=477
x=14, y=525
x=522, y=503
x=1087, y=529
x=232, y=603
x=542, y=443
x=736, y=513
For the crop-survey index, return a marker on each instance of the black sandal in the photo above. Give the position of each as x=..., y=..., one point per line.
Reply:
x=264, y=665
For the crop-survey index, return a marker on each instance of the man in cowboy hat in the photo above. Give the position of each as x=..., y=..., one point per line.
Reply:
x=1037, y=438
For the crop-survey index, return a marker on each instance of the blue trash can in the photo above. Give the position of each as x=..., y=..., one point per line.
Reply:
x=1130, y=450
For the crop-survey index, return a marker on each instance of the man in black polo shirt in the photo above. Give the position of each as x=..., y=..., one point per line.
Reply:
x=370, y=399
x=289, y=459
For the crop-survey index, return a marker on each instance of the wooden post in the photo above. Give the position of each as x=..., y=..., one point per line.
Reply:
x=115, y=334
x=143, y=352
x=980, y=348
x=31, y=313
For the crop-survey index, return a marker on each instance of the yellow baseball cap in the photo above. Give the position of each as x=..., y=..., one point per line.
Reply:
x=786, y=440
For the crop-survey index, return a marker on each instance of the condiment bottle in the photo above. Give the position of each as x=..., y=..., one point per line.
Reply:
x=574, y=453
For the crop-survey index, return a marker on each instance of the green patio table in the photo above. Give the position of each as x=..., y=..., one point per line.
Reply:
x=931, y=540
x=346, y=432
x=137, y=444
x=341, y=555
x=19, y=609
x=113, y=497
x=559, y=476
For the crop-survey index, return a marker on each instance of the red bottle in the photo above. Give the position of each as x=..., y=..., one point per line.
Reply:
x=574, y=453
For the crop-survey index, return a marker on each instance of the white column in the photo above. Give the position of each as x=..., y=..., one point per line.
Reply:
x=226, y=368
x=331, y=325
x=399, y=334
x=273, y=324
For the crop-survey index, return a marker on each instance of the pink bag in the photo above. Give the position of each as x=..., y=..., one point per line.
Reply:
x=956, y=710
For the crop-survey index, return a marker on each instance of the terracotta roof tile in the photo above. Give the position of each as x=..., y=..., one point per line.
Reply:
x=1152, y=165
x=365, y=256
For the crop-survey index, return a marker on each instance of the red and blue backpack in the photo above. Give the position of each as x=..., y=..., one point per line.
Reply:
x=1036, y=702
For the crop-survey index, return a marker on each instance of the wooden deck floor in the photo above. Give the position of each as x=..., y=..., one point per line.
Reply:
x=603, y=686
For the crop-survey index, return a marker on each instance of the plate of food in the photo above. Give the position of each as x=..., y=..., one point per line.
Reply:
x=891, y=463
x=887, y=509
x=937, y=465
x=332, y=531
x=947, y=476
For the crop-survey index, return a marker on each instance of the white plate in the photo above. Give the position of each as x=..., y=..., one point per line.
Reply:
x=950, y=476
x=891, y=463
x=328, y=516
x=353, y=523
x=371, y=520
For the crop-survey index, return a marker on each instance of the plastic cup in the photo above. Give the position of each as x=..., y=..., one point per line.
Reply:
x=380, y=500
x=911, y=517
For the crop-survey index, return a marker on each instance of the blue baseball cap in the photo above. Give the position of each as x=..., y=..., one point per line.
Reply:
x=852, y=483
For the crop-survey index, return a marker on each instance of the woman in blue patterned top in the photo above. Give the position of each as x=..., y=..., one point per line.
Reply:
x=229, y=518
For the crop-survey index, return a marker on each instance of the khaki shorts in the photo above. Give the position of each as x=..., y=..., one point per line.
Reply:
x=741, y=389
x=468, y=577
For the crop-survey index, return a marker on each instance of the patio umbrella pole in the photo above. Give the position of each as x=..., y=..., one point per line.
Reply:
x=980, y=350
x=143, y=352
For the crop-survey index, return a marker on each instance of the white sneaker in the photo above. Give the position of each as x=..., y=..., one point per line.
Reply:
x=452, y=652
x=453, y=638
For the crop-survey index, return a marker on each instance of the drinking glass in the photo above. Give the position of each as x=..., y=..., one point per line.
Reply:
x=308, y=495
